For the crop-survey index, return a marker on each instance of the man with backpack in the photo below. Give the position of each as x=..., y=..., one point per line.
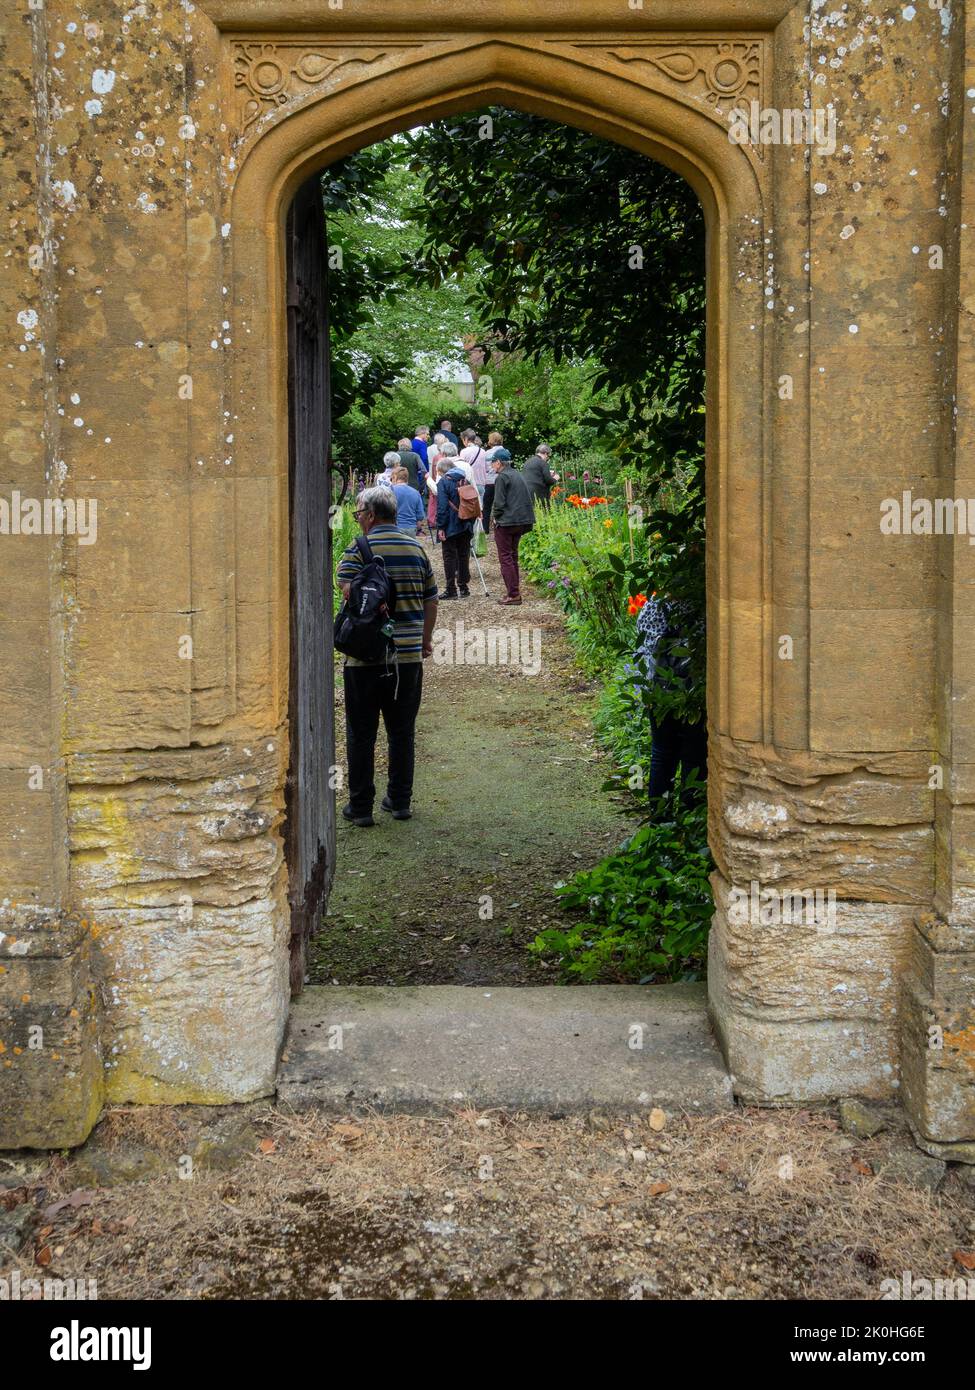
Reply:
x=385, y=628
x=458, y=507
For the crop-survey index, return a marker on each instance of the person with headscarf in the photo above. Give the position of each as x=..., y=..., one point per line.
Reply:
x=668, y=632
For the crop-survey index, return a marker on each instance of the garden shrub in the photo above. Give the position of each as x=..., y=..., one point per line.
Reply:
x=645, y=910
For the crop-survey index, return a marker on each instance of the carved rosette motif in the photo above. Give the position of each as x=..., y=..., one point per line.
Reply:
x=721, y=74
x=271, y=75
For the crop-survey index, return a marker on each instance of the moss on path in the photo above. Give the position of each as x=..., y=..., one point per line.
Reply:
x=507, y=801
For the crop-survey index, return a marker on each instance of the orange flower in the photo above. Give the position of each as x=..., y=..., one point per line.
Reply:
x=584, y=502
x=636, y=602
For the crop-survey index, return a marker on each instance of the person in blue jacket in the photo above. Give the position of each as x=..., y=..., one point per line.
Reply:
x=410, y=511
x=453, y=533
x=421, y=445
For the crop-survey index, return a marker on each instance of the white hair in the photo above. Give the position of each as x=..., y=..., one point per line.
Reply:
x=392, y=460
x=449, y=450
x=381, y=501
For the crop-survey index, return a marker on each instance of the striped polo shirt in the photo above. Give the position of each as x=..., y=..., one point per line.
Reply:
x=409, y=569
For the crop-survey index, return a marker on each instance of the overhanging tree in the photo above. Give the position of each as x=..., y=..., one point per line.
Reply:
x=588, y=251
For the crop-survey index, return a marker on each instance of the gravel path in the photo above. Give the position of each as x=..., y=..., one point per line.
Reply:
x=508, y=800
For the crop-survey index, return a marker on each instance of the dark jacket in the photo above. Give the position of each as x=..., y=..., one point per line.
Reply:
x=539, y=477
x=413, y=464
x=448, y=519
x=513, y=502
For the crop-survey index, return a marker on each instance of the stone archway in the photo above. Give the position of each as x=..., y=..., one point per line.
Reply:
x=165, y=801
x=280, y=145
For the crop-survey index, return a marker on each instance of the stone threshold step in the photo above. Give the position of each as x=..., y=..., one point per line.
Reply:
x=437, y=1047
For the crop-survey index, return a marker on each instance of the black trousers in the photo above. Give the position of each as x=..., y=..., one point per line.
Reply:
x=676, y=742
x=456, y=551
x=370, y=692
x=487, y=506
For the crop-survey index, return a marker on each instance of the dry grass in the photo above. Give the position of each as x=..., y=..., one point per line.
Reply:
x=755, y=1204
x=154, y=1125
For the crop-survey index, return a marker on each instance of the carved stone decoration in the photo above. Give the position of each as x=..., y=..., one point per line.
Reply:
x=270, y=75
x=721, y=75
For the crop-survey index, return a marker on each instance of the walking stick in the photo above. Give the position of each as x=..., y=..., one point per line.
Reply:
x=426, y=512
x=477, y=562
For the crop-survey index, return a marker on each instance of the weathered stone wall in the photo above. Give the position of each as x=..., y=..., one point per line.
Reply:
x=875, y=802
x=148, y=154
x=144, y=670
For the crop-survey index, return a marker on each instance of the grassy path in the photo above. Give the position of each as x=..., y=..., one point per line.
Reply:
x=507, y=801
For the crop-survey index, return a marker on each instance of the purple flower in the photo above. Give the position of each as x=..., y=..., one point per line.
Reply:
x=566, y=583
x=551, y=583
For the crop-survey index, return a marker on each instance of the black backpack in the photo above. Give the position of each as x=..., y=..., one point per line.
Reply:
x=364, y=626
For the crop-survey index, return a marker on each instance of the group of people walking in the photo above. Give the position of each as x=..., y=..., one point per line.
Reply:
x=427, y=476
x=453, y=486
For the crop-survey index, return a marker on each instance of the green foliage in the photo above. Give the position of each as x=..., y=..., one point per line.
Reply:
x=589, y=252
x=392, y=325
x=345, y=528
x=585, y=563
x=583, y=557
x=578, y=266
x=531, y=401
x=384, y=317
x=602, y=468
x=646, y=909
x=360, y=440
x=623, y=728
